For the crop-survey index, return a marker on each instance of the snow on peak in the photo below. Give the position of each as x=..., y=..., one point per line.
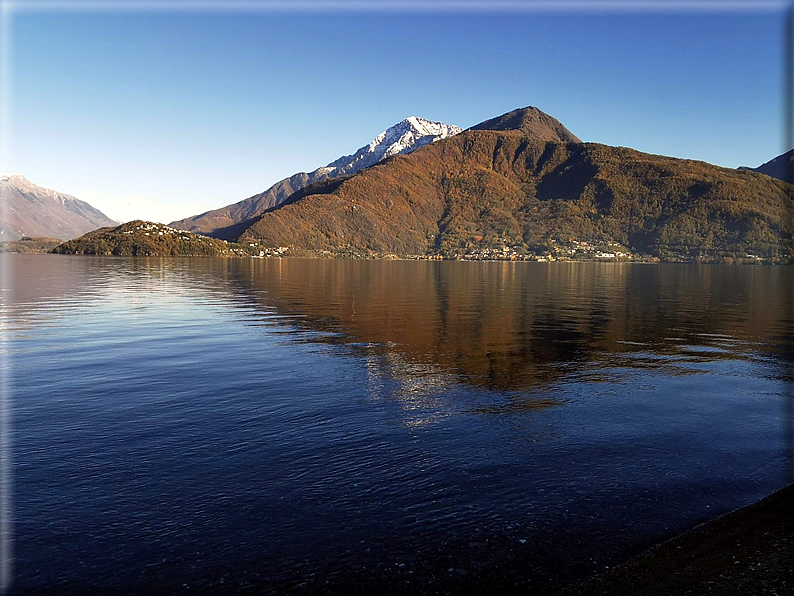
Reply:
x=13, y=178
x=404, y=137
x=19, y=182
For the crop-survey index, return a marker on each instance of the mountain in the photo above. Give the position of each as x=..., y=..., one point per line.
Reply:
x=145, y=238
x=404, y=137
x=532, y=123
x=522, y=182
x=30, y=210
x=782, y=167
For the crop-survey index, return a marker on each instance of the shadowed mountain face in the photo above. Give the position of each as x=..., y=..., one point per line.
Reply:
x=402, y=138
x=30, y=210
x=517, y=187
x=782, y=167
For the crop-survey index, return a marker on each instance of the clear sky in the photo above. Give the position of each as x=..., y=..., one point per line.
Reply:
x=165, y=114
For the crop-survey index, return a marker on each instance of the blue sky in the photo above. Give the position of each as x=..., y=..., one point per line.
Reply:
x=162, y=115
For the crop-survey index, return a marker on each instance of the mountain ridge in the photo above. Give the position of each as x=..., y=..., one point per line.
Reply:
x=780, y=167
x=520, y=181
x=407, y=135
x=34, y=211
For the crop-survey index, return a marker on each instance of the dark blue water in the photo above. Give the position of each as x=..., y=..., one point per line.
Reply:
x=224, y=426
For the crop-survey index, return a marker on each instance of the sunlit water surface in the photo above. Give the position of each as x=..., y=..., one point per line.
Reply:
x=203, y=425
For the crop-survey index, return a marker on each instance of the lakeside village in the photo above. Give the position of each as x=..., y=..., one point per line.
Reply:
x=556, y=250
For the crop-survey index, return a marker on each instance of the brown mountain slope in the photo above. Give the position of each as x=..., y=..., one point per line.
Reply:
x=485, y=188
x=221, y=222
x=404, y=137
x=533, y=123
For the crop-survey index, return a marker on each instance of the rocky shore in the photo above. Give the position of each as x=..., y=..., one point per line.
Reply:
x=749, y=551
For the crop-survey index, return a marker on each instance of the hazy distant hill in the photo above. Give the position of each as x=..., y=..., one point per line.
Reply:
x=29, y=245
x=30, y=210
x=404, y=137
x=522, y=180
x=145, y=238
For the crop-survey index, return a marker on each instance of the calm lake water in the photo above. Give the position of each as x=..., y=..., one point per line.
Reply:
x=209, y=425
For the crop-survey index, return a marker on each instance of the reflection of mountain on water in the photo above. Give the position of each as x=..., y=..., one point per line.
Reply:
x=415, y=386
x=210, y=393
x=512, y=328
x=515, y=326
x=502, y=326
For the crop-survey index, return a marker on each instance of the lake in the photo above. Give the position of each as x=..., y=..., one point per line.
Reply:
x=323, y=426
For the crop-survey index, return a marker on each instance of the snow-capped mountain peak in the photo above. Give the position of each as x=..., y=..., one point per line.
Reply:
x=32, y=210
x=404, y=137
x=13, y=178
x=19, y=182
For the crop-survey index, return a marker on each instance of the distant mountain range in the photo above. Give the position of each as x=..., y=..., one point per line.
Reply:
x=33, y=211
x=402, y=138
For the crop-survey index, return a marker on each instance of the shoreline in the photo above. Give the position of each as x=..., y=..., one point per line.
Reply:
x=747, y=551
x=639, y=261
